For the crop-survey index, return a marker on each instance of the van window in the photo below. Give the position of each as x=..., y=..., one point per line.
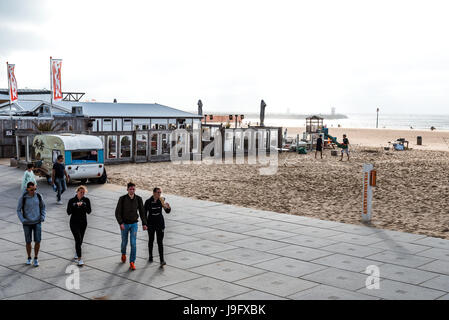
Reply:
x=84, y=156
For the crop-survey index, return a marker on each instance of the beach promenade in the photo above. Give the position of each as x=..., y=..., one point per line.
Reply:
x=215, y=251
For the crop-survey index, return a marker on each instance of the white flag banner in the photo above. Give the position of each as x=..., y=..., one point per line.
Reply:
x=12, y=83
x=55, y=65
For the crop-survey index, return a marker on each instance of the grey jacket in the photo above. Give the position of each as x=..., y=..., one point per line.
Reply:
x=33, y=212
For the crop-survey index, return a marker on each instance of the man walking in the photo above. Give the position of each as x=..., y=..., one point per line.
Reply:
x=155, y=222
x=59, y=177
x=31, y=212
x=127, y=217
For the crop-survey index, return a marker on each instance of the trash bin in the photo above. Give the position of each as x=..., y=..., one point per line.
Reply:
x=419, y=140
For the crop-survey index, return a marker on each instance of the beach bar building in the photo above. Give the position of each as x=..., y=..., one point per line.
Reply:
x=131, y=132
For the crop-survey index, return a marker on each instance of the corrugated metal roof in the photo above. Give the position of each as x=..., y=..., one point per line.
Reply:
x=144, y=110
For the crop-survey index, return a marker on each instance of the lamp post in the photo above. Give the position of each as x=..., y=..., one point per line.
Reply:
x=377, y=118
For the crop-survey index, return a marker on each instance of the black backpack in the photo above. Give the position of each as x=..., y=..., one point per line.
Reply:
x=24, y=199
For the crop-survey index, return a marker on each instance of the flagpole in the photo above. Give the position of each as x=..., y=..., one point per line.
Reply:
x=9, y=90
x=51, y=88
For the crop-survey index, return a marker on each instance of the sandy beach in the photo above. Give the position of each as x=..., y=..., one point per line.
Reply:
x=412, y=192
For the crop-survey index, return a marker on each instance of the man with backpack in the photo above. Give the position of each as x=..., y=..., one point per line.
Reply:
x=31, y=212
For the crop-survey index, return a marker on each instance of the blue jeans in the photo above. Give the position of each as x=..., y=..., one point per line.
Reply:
x=132, y=230
x=61, y=187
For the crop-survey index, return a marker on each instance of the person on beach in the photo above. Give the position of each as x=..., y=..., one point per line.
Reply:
x=155, y=222
x=345, y=147
x=59, y=177
x=31, y=212
x=319, y=146
x=127, y=218
x=28, y=176
x=78, y=208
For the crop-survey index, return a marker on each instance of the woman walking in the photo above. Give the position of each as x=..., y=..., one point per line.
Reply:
x=77, y=208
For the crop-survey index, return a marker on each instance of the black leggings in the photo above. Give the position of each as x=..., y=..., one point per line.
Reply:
x=78, y=229
x=159, y=236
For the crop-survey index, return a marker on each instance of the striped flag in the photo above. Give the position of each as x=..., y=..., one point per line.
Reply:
x=12, y=83
x=55, y=68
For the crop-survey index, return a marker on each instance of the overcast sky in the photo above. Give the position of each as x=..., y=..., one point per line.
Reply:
x=302, y=56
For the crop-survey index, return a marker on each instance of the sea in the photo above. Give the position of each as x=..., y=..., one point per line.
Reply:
x=368, y=121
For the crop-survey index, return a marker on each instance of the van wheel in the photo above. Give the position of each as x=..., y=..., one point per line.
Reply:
x=103, y=178
x=83, y=181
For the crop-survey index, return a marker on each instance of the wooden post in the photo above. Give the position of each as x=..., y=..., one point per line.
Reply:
x=17, y=148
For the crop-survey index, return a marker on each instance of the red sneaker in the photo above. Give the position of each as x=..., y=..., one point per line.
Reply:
x=123, y=258
x=132, y=266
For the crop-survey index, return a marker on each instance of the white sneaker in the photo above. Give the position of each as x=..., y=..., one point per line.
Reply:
x=36, y=262
x=75, y=258
x=59, y=202
x=80, y=263
x=28, y=263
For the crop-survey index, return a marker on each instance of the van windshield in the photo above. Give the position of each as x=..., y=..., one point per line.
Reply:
x=86, y=156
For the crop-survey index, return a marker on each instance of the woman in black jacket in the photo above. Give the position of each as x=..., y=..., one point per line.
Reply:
x=155, y=222
x=77, y=208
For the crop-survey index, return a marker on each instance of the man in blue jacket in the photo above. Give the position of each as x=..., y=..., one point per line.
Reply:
x=31, y=212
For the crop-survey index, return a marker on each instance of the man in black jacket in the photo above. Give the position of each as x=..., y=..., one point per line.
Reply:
x=127, y=217
x=155, y=222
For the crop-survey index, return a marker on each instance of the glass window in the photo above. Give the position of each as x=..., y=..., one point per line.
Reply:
x=125, y=146
x=181, y=123
x=95, y=125
x=165, y=143
x=107, y=124
x=141, y=124
x=118, y=124
x=112, y=147
x=142, y=140
x=159, y=124
x=154, y=144
x=84, y=156
x=189, y=124
x=196, y=124
x=127, y=125
x=172, y=124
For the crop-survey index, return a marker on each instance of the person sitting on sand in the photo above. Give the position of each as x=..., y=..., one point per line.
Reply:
x=319, y=146
x=345, y=147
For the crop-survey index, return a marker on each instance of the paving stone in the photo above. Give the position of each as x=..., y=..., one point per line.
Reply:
x=185, y=260
x=205, y=246
x=407, y=260
x=90, y=280
x=394, y=290
x=48, y=294
x=400, y=246
x=434, y=242
x=245, y=256
x=172, y=238
x=354, y=229
x=435, y=253
x=318, y=232
x=277, y=284
x=438, y=266
x=114, y=264
x=258, y=244
x=271, y=234
x=280, y=225
x=236, y=227
x=404, y=274
x=160, y=277
x=324, y=292
x=289, y=267
x=18, y=257
x=352, y=249
x=355, y=239
x=338, y=278
x=393, y=235
x=205, y=221
x=227, y=271
x=438, y=283
x=300, y=252
x=130, y=291
x=346, y=262
x=14, y=283
x=47, y=268
x=256, y=296
x=221, y=236
x=308, y=241
x=206, y=288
